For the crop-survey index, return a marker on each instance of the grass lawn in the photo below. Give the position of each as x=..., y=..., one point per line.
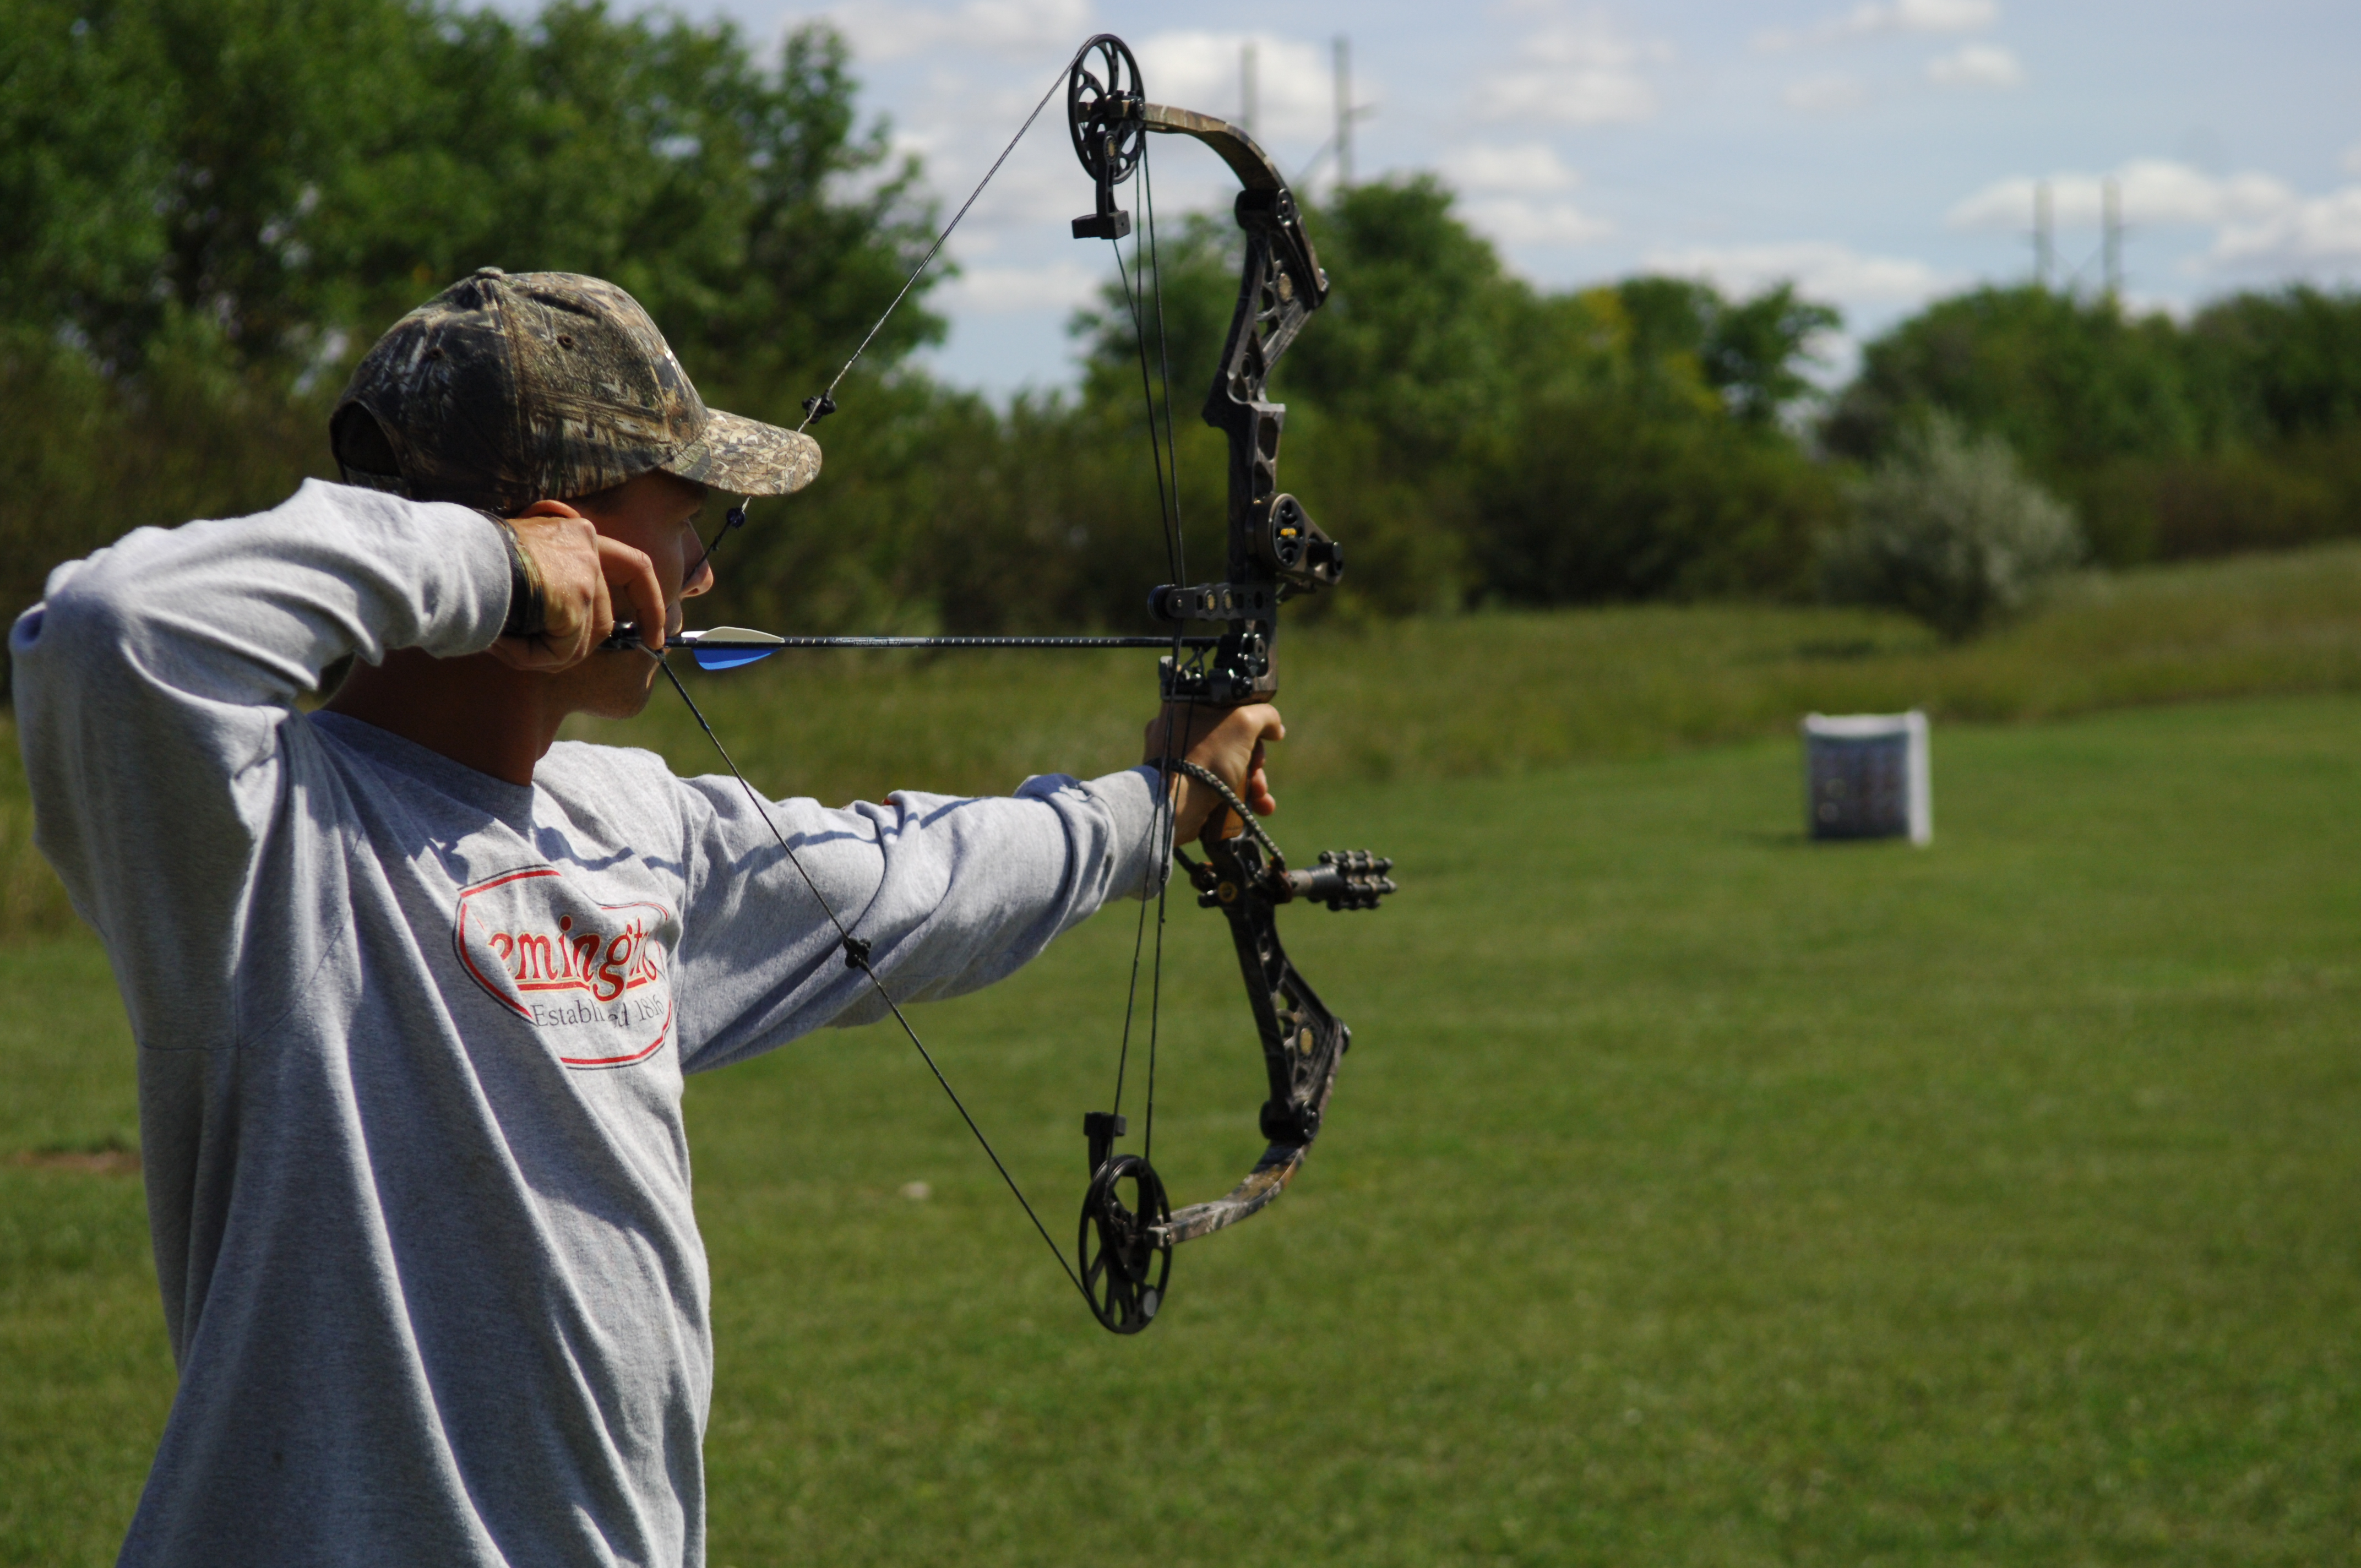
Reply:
x=1693, y=1194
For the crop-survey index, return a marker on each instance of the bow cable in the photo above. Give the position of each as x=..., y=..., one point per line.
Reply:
x=824, y=404
x=1165, y=452
x=856, y=955
x=1180, y=574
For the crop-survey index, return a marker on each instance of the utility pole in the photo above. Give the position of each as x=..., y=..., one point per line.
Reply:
x=2111, y=215
x=2044, y=245
x=1246, y=87
x=1344, y=113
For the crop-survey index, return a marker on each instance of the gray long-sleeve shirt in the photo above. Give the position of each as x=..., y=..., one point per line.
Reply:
x=411, y=1039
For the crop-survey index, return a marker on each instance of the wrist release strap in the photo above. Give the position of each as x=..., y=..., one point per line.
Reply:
x=528, y=605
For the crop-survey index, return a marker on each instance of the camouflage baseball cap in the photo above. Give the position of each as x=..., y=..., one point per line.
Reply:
x=504, y=390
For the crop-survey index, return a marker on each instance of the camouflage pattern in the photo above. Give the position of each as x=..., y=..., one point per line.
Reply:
x=503, y=390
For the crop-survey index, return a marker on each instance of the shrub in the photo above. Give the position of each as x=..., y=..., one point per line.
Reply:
x=1949, y=530
x=1602, y=500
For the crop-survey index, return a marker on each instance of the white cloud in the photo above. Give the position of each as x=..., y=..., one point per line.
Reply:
x=1976, y=65
x=1508, y=186
x=1923, y=16
x=1831, y=93
x=999, y=290
x=1820, y=269
x=2322, y=233
x=1519, y=223
x=1579, y=72
x=2154, y=190
x=1528, y=166
x=1294, y=90
x=888, y=32
x=2261, y=224
x=1899, y=16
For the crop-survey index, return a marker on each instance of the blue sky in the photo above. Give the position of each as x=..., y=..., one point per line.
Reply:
x=1879, y=152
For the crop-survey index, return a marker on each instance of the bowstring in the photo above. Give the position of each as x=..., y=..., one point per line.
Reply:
x=825, y=404
x=856, y=955
x=1163, y=450
x=1179, y=544
x=1166, y=458
x=826, y=401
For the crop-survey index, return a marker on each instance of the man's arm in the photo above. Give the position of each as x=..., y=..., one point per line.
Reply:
x=951, y=894
x=154, y=688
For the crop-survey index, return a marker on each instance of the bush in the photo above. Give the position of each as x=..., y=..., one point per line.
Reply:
x=1949, y=530
x=1606, y=500
x=2169, y=439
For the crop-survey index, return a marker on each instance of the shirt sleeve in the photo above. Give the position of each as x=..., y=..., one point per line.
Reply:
x=155, y=686
x=950, y=894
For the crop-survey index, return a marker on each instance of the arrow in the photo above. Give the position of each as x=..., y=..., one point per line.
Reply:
x=729, y=647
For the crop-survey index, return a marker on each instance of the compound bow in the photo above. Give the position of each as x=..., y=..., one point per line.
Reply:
x=1275, y=552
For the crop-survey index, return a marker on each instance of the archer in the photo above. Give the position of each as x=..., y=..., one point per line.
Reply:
x=415, y=985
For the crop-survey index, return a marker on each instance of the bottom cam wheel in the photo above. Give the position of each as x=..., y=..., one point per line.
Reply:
x=1125, y=1254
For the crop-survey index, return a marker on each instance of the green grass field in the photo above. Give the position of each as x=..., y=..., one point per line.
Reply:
x=1693, y=1194
x=1483, y=694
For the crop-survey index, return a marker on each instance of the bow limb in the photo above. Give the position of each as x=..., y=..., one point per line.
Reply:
x=1302, y=1041
x=1275, y=551
x=1247, y=879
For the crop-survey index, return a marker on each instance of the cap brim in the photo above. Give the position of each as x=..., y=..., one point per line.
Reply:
x=745, y=456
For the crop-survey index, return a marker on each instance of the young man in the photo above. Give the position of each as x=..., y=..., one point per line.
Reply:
x=414, y=987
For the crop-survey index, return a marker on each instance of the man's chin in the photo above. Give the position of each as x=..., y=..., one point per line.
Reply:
x=618, y=694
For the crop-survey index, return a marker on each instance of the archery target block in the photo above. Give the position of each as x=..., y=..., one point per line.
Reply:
x=1865, y=776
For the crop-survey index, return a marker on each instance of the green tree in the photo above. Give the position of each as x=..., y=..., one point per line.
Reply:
x=216, y=204
x=2079, y=390
x=1423, y=339
x=1757, y=350
x=296, y=172
x=2288, y=362
x=82, y=156
x=2069, y=381
x=2240, y=431
x=1752, y=352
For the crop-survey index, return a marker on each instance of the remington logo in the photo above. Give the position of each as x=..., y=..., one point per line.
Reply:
x=590, y=977
x=570, y=960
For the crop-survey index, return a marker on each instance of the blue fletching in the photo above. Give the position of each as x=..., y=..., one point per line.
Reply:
x=728, y=658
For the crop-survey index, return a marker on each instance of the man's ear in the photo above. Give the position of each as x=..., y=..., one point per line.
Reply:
x=548, y=508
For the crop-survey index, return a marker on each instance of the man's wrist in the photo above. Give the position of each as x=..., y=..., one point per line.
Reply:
x=528, y=602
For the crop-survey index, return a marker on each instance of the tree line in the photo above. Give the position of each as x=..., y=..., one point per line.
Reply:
x=214, y=206
x=2238, y=429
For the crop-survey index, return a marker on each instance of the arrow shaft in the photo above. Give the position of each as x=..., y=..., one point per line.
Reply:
x=946, y=642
